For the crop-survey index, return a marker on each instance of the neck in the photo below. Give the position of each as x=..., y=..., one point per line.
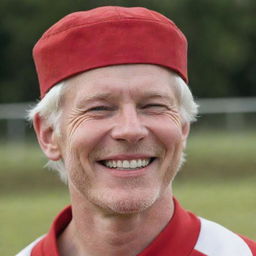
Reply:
x=95, y=232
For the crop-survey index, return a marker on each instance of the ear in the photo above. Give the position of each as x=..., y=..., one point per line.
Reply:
x=185, y=133
x=46, y=138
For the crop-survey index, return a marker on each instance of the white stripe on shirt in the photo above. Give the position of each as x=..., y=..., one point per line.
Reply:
x=215, y=240
x=27, y=251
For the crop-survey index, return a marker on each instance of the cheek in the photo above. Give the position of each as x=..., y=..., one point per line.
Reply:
x=170, y=136
x=85, y=138
x=78, y=147
x=167, y=131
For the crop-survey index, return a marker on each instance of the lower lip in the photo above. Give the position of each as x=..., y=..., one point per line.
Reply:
x=128, y=173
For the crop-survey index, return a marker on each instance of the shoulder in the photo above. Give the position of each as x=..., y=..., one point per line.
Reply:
x=251, y=244
x=27, y=250
x=216, y=240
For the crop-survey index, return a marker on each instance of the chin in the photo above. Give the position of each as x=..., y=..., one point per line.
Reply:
x=125, y=203
x=130, y=206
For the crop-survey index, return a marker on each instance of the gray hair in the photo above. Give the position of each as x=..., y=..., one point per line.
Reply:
x=49, y=109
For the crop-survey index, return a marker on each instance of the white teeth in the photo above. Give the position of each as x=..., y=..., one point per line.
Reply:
x=119, y=164
x=133, y=164
x=127, y=164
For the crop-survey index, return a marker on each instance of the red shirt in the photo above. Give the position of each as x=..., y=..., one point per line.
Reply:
x=184, y=235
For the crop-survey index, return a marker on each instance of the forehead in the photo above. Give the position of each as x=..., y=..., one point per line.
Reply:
x=132, y=79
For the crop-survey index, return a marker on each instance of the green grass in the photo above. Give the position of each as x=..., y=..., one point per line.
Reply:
x=221, y=155
x=230, y=203
x=26, y=216
x=217, y=182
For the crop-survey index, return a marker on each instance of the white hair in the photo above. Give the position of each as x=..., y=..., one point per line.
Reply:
x=49, y=109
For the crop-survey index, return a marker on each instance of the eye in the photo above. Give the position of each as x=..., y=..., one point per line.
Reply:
x=155, y=106
x=99, y=108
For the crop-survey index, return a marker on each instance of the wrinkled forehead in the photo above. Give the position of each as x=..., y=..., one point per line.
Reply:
x=119, y=80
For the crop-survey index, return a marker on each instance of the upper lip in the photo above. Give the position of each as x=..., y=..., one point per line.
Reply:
x=126, y=157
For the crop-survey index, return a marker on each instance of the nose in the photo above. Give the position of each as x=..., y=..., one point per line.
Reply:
x=129, y=127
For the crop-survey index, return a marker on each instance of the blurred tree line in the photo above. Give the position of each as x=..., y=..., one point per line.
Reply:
x=221, y=35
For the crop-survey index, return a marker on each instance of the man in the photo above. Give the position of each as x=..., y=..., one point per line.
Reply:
x=114, y=120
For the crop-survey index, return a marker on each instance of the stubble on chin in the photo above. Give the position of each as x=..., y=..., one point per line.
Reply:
x=123, y=204
x=128, y=201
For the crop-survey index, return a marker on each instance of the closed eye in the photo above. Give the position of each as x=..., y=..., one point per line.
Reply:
x=100, y=108
x=154, y=106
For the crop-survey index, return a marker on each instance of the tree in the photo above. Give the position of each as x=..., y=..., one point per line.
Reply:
x=221, y=35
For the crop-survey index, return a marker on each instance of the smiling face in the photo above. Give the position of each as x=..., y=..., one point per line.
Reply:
x=122, y=136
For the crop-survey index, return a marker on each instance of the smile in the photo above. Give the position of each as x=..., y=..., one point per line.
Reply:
x=132, y=164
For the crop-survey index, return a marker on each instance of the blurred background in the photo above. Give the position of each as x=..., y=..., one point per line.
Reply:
x=218, y=179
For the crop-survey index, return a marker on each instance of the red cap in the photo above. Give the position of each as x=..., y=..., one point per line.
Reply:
x=107, y=36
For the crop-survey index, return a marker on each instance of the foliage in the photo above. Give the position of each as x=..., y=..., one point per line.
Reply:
x=221, y=35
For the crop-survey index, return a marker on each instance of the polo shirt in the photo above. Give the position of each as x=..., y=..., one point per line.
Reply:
x=184, y=235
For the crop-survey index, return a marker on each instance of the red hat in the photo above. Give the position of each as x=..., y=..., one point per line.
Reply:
x=107, y=36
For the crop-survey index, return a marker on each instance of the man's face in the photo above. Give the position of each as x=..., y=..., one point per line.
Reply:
x=122, y=136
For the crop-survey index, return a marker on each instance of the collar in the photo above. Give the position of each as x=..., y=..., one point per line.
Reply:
x=178, y=237
x=48, y=246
